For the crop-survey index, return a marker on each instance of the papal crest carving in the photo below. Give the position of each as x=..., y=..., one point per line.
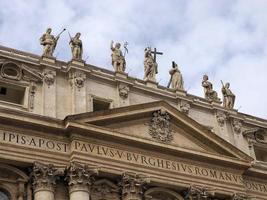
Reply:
x=160, y=126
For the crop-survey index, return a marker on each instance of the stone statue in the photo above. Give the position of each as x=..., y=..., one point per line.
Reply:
x=118, y=60
x=151, y=67
x=176, y=80
x=228, y=96
x=76, y=47
x=49, y=42
x=210, y=94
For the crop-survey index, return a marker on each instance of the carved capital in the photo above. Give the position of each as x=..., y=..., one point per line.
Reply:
x=199, y=193
x=184, y=107
x=221, y=118
x=77, y=78
x=79, y=176
x=44, y=176
x=132, y=186
x=123, y=91
x=49, y=77
x=105, y=189
x=239, y=196
x=237, y=126
x=160, y=126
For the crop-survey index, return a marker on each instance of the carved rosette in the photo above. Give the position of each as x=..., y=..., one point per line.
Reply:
x=80, y=177
x=123, y=91
x=44, y=177
x=49, y=77
x=221, y=118
x=199, y=193
x=132, y=186
x=237, y=126
x=160, y=126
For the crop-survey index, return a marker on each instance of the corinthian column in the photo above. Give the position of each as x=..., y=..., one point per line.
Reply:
x=44, y=181
x=132, y=186
x=80, y=179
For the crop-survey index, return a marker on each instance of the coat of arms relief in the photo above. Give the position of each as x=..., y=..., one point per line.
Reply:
x=159, y=127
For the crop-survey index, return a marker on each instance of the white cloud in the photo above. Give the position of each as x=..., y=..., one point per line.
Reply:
x=225, y=39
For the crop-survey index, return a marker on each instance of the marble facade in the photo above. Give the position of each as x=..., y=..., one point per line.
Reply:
x=76, y=131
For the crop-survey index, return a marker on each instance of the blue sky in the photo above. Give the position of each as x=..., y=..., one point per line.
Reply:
x=225, y=39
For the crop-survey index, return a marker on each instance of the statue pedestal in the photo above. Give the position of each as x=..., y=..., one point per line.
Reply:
x=121, y=74
x=48, y=59
x=216, y=103
x=77, y=62
x=180, y=92
x=152, y=84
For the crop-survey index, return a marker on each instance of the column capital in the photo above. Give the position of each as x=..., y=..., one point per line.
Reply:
x=44, y=177
x=80, y=176
x=199, y=193
x=240, y=196
x=133, y=186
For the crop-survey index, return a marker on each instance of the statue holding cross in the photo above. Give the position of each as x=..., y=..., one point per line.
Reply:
x=150, y=64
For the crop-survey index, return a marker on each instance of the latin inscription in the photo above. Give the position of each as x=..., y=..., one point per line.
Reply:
x=154, y=162
x=131, y=157
x=32, y=141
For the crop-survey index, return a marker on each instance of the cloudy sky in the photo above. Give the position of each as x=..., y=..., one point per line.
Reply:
x=225, y=39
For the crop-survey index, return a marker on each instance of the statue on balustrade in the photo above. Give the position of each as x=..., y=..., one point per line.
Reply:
x=49, y=42
x=76, y=47
x=176, y=80
x=150, y=66
x=228, y=96
x=210, y=94
x=118, y=59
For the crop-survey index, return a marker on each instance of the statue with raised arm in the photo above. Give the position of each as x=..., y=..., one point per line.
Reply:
x=49, y=42
x=228, y=96
x=150, y=66
x=210, y=94
x=118, y=60
x=76, y=47
x=176, y=80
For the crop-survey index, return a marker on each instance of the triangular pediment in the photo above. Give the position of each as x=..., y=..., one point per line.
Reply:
x=161, y=124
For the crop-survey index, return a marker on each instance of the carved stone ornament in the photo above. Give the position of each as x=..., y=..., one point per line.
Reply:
x=123, y=91
x=77, y=79
x=11, y=70
x=18, y=71
x=199, y=193
x=105, y=189
x=44, y=176
x=184, y=107
x=132, y=186
x=240, y=196
x=237, y=126
x=49, y=78
x=221, y=118
x=160, y=126
x=32, y=92
x=79, y=175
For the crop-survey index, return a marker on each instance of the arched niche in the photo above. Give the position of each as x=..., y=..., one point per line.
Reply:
x=158, y=193
x=104, y=189
x=12, y=182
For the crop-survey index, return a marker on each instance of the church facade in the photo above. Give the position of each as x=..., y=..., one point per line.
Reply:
x=70, y=130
